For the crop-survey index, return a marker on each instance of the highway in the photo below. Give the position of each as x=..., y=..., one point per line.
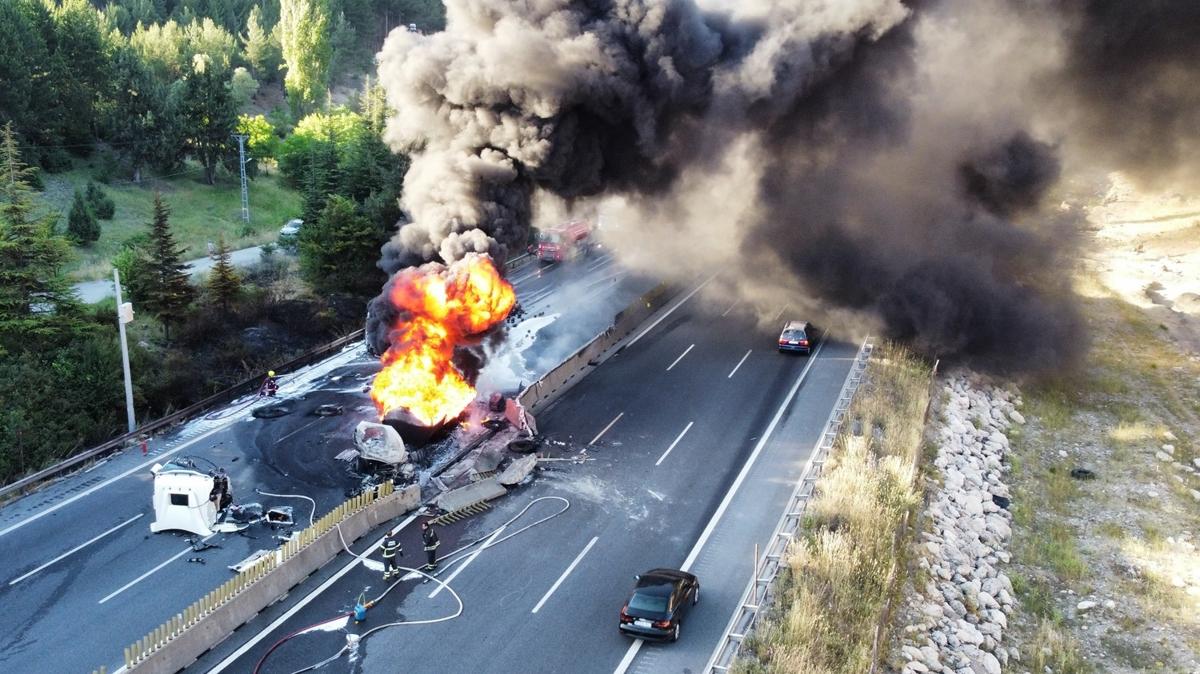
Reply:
x=687, y=444
x=83, y=576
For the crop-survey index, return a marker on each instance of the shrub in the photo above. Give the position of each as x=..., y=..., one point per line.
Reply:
x=81, y=223
x=102, y=204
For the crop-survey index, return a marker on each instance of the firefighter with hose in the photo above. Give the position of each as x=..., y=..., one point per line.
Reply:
x=270, y=386
x=430, y=538
x=391, y=548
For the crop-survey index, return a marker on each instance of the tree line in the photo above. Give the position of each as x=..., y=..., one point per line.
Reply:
x=159, y=81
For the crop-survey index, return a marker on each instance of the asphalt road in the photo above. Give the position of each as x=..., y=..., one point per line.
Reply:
x=665, y=430
x=91, y=292
x=82, y=574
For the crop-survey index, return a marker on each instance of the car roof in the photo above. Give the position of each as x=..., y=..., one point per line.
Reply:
x=664, y=575
x=796, y=325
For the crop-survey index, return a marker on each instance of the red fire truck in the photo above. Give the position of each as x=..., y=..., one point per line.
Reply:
x=564, y=242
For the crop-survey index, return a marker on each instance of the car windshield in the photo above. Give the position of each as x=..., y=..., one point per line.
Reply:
x=643, y=601
x=793, y=334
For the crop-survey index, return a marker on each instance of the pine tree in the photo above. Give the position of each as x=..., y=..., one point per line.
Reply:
x=167, y=290
x=101, y=204
x=81, y=223
x=224, y=283
x=36, y=300
x=211, y=117
x=338, y=248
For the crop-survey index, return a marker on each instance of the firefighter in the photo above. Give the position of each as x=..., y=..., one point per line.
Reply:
x=391, y=548
x=270, y=387
x=430, y=538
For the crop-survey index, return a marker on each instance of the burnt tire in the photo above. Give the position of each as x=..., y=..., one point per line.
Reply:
x=271, y=411
x=523, y=446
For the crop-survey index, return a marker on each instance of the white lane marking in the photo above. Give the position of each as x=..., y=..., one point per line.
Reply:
x=671, y=310
x=629, y=656
x=677, y=439
x=610, y=425
x=296, y=431
x=676, y=362
x=88, y=492
x=153, y=571
x=731, y=306
x=735, y=367
x=72, y=551
x=785, y=308
x=737, y=483
x=566, y=573
x=466, y=563
x=245, y=648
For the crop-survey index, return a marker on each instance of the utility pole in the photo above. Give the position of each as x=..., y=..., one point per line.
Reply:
x=125, y=315
x=241, y=139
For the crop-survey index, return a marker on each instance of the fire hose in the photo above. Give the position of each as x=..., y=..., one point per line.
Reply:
x=449, y=560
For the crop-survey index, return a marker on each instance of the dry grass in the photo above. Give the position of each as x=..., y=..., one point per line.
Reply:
x=833, y=591
x=1112, y=537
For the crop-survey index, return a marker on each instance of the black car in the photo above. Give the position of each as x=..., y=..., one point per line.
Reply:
x=659, y=602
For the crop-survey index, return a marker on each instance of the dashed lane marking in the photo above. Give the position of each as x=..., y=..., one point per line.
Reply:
x=676, y=362
x=677, y=439
x=72, y=551
x=605, y=430
x=566, y=573
x=735, y=367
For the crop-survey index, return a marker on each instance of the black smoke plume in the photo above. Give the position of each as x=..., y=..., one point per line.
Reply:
x=814, y=148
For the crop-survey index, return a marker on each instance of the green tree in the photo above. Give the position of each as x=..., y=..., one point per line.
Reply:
x=137, y=114
x=81, y=223
x=36, y=300
x=304, y=36
x=338, y=251
x=206, y=37
x=78, y=68
x=261, y=141
x=242, y=87
x=261, y=48
x=162, y=47
x=210, y=116
x=168, y=293
x=23, y=61
x=99, y=201
x=224, y=283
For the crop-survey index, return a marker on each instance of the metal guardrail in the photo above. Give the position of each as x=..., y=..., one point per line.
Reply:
x=26, y=483
x=204, y=606
x=755, y=596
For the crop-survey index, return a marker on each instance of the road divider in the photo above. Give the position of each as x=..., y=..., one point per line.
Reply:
x=178, y=642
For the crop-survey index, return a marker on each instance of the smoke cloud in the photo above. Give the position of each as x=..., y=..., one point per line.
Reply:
x=893, y=159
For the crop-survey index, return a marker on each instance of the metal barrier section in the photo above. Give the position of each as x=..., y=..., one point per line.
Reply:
x=755, y=596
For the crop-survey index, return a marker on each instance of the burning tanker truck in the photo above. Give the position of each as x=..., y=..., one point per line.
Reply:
x=425, y=389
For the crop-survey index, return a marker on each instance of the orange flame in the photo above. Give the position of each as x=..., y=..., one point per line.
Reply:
x=443, y=307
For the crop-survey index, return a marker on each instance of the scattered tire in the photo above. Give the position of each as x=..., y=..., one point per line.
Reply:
x=523, y=446
x=327, y=410
x=271, y=411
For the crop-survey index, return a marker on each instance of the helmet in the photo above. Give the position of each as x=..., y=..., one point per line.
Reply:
x=270, y=373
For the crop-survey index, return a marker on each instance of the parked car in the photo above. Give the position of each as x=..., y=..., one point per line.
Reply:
x=799, y=336
x=659, y=602
x=292, y=229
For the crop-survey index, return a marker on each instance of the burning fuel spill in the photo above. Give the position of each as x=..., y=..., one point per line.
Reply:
x=896, y=160
x=439, y=309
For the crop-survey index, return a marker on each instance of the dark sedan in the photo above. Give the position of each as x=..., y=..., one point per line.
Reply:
x=658, y=604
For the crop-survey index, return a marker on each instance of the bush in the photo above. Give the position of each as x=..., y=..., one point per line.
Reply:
x=56, y=160
x=102, y=204
x=81, y=223
x=108, y=166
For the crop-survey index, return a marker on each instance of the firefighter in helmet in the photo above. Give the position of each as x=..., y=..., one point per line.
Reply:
x=270, y=387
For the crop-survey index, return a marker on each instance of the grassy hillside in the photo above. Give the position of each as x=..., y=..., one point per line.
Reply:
x=199, y=213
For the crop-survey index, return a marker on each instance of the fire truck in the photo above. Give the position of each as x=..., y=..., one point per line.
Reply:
x=564, y=242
